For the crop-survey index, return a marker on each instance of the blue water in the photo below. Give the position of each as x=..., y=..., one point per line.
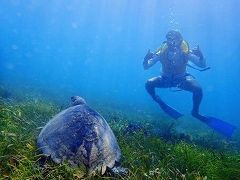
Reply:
x=95, y=49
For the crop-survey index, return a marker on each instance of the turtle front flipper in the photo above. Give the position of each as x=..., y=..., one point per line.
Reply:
x=118, y=171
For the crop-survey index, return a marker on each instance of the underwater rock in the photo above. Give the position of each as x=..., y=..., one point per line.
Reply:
x=80, y=136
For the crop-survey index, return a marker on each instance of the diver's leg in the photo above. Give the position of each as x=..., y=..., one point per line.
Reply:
x=190, y=84
x=216, y=124
x=151, y=84
x=159, y=82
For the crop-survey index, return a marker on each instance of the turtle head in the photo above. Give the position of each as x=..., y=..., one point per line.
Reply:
x=77, y=100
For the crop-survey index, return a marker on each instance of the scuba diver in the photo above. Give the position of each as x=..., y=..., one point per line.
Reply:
x=174, y=56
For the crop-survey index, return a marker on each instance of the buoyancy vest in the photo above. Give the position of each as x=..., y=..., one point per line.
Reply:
x=173, y=66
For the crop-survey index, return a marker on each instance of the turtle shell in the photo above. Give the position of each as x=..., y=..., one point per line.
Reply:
x=80, y=136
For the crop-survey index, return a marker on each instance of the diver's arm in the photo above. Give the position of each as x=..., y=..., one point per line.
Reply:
x=196, y=56
x=149, y=60
x=198, y=61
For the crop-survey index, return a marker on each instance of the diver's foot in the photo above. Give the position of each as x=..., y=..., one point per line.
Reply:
x=158, y=100
x=195, y=114
x=166, y=108
x=199, y=116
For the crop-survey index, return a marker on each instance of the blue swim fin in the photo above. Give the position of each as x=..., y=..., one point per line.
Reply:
x=167, y=109
x=171, y=111
x=218, y=125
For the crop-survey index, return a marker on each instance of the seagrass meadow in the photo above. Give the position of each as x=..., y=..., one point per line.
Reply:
x=151, y=149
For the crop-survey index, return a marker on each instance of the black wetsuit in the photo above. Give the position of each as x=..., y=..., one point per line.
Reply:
x=174, y=74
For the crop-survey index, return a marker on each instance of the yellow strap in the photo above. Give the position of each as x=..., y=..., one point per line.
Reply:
x=185, y=47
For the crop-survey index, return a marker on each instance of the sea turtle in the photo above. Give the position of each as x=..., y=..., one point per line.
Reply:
x=81, y=136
